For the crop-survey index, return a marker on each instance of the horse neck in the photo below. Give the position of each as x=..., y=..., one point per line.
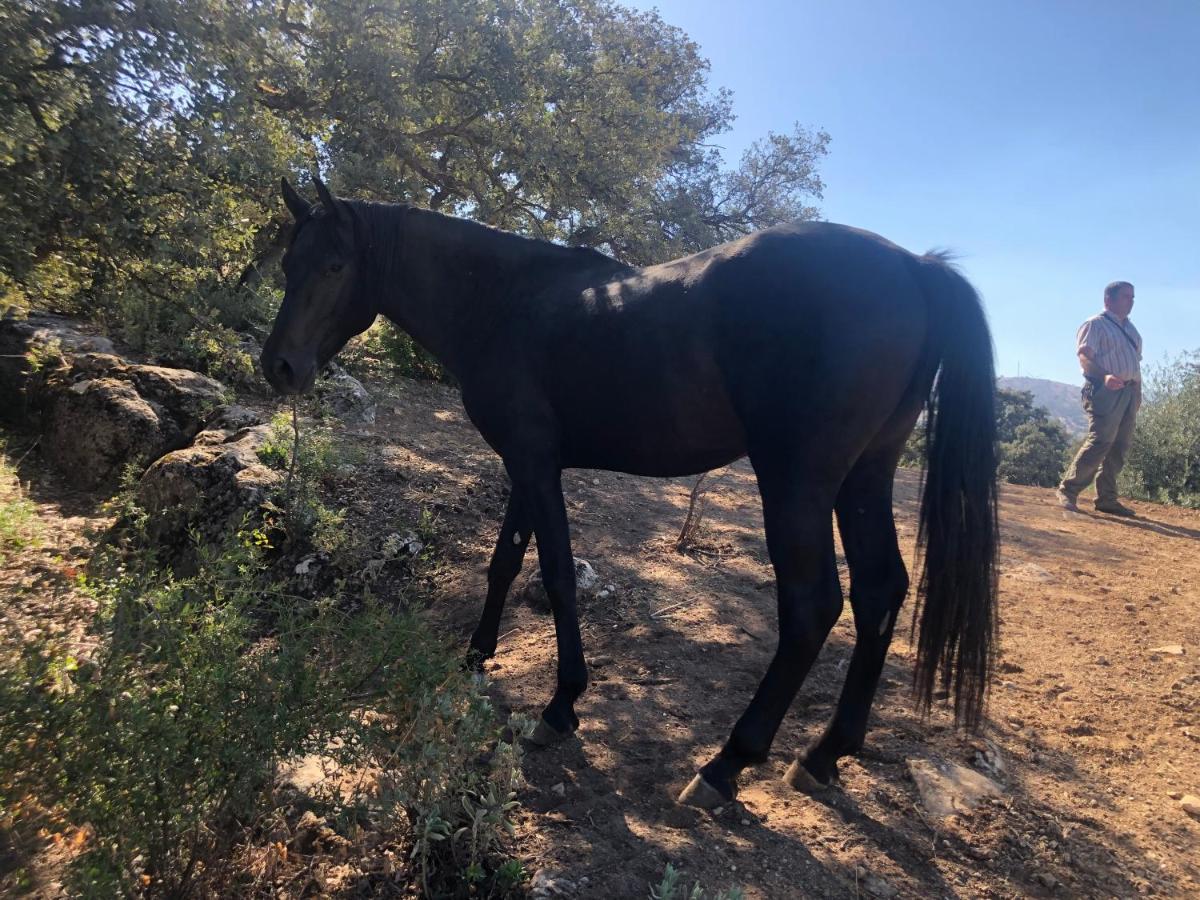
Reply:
x=449, y=282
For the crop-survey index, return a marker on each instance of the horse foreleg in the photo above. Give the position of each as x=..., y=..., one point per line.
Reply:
x=542, y=498
x=505, y=565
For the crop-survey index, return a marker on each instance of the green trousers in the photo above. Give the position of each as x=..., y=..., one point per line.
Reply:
x=1111, y=417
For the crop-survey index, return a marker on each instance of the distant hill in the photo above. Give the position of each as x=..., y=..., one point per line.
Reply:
x=1061, y=400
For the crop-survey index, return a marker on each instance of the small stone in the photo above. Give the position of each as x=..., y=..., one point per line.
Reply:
x=560, y=789
x=946, y=789
x=880, y=888
x=1176, y=795
x=545, y=885
x=1130, y=607
x=599, y=662
x=1102, y=661
x=745, y=821
x=596, y=481
x=860, y=872
x=1191, y=805
x=1046, y=879
x=1168, y=649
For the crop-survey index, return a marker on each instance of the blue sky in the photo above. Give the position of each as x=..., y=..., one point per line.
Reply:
x=1055, y=145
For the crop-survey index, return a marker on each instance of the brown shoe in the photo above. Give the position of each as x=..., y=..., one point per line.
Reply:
x=1066, y=501
x=1114, y=508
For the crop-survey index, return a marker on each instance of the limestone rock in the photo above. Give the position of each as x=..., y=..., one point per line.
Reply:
x=209, y=487
x=99, y=412
x=586, y=581
x=105, y=414
x=345, y=396
x=98, y=426
x=948, y=788
x=31, y=350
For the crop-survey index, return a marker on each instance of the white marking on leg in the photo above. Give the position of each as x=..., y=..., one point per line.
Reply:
x=516, y=537
x=887, y=617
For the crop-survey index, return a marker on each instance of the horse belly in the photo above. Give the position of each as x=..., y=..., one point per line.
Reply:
x=660, y=430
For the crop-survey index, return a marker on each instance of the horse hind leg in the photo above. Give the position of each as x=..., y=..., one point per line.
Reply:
x=878, y=585
x=796, y=513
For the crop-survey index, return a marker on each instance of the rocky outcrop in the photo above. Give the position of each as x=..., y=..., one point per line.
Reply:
x=207, y=489
x=344, y=396
x=32, y=350
x=99, y=414
x=105, y=415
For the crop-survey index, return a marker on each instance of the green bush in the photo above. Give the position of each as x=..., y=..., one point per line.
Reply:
x=1164, y=460
x=302, y=514
x=167, y=745
x=387, y=350
x=1035, y=455
x=672, y=888
x=1032, y=446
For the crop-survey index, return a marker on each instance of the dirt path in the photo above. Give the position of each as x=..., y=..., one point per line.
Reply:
x=1089, y=732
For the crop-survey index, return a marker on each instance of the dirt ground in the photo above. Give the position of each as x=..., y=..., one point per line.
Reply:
x=1090, y=734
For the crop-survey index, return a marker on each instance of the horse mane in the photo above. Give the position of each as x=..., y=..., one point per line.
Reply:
x=384, y=225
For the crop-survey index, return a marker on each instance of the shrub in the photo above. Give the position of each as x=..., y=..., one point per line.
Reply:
x=166, y=746
x=1164, y=460
x=672, y=888
x=1035, y=455
x=384, y=345
x=1032, y=446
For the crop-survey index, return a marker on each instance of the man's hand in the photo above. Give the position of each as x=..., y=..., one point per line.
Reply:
x=1113, y=383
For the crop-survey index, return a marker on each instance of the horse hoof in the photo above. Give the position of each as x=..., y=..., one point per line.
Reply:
x=701, y=794
x=803, y=780
x=546, y=736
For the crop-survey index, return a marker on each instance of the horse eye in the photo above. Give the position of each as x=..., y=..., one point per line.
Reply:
x=334, y=268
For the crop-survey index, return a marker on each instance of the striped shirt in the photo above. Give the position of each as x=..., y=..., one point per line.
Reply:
x=1115, y=347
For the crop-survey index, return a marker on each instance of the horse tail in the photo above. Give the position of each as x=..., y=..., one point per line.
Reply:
x=959, y=530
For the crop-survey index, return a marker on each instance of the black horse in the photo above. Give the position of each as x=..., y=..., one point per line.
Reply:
x=810, y=347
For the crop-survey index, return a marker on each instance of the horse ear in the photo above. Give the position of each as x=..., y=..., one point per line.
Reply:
x=330, y=202
x=297, y=205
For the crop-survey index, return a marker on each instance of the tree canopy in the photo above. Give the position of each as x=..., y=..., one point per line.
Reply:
x=143, y=140
x=1032, y=446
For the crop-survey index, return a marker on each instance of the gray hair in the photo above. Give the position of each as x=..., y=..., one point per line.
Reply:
x=1113, y=289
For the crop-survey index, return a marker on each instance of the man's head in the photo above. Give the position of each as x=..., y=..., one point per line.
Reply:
x=1118, y=298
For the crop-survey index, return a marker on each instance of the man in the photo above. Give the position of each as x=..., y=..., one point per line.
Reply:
x=1110, y=352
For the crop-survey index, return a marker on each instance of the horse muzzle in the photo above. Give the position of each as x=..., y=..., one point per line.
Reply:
x=289, y=373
